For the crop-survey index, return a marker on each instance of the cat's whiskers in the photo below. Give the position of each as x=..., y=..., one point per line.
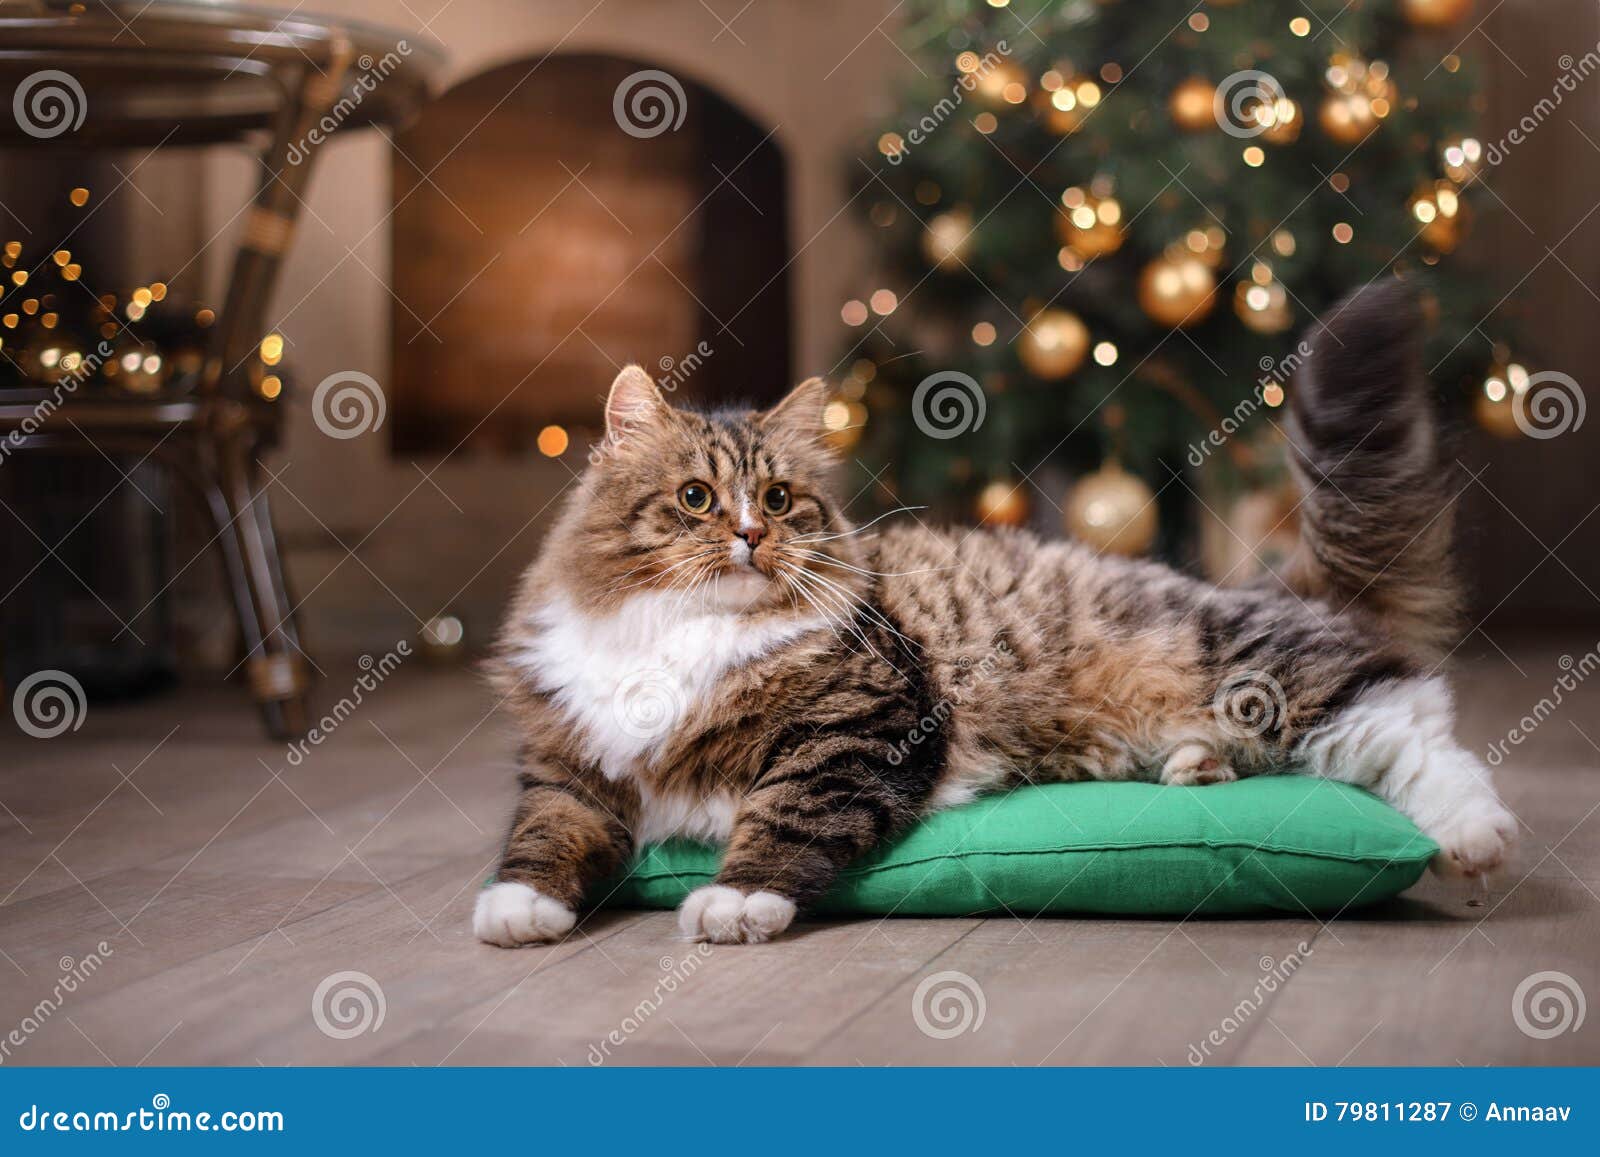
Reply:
x=818, y=536
x=828, y=559
x=847, y=605
x=851, y=598
x=837, y=623
x=660, y=574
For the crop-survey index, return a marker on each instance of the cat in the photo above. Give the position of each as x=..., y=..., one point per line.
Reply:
x=707, y=646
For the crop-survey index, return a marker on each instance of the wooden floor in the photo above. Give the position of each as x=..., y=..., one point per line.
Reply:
x=229, y=883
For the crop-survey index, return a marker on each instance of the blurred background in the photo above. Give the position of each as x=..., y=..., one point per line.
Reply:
x=1089, y=233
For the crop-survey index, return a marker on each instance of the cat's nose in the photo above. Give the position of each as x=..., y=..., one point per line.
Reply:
x=752, y=534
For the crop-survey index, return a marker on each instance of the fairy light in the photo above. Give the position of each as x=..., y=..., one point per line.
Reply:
x=553, y=441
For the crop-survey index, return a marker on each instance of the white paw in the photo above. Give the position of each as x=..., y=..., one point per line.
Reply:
x=1195, y=765
x=725, y=915
x=509, y=914
x=1475, y=839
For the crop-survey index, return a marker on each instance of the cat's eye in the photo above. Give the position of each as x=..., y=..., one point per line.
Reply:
x=695, y=497
x=777, y=499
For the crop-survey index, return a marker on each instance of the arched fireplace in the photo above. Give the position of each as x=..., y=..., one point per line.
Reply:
x=553, y=223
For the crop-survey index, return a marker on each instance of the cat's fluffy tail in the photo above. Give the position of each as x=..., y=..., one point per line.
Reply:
x=1376, y=523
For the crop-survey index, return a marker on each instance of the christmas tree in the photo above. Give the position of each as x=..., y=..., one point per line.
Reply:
x=1104, y=224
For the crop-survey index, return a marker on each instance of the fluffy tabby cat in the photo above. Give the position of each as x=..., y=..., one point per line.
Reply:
x=706, y=646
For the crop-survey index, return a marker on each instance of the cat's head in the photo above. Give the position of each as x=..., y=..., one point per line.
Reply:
x=734, y=510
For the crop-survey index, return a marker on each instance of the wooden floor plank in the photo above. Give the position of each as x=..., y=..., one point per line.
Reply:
x=247, y=892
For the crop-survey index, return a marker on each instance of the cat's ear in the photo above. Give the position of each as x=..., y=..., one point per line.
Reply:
x=801, y=411
x=633, y=404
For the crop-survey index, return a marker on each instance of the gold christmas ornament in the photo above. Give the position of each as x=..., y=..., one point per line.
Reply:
x=842, y=422
x=1053, y=344
x=1434, y=13
x=947, y=240
x=1279, y=120
x=1262, y=303
x=1191, y=105
x=1002, y=504
x=1439, y=210
x=1001, y=83
x=1360, y=96
x=1494, y=407
x=1112, y=511
x=1461, y=158
x=1066, y=105
x=1177, y=289
x=1090, y=226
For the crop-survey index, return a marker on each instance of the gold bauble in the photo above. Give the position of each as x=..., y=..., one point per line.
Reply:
x=1065, y=108
x=1091, y=226
x=842, y=423
x=1495, y=406
x=1177, y=289
x=1053, y=344
x=1434, y=13
x=1279, y=120
x=1360, y=95
x=947, y=240
x=1112, y=511
x=1441, y=213
x=1461, y=158
x=1498, y=418
x=1003, y=504
x=1001, y=84
x=1263, y=306
x=1191, y=105
x=1347, y=120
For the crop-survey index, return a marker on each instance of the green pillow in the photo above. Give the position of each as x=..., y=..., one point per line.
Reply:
x=1280, y=843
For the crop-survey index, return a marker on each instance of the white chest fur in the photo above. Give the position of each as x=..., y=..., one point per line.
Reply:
x=629, y=679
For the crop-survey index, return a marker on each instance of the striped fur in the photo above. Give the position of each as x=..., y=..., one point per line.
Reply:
x=801, y=689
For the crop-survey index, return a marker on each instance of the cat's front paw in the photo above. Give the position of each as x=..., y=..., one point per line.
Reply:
x=511, y=914
x=725, y=915
x=1475, y=840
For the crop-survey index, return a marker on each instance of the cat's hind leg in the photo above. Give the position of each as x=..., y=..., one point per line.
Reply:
x=1396, y=740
